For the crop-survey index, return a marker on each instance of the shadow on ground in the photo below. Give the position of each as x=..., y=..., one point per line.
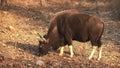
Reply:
x=32, y=49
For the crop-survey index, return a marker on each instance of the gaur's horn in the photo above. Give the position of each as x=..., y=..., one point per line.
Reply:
x=41, y=37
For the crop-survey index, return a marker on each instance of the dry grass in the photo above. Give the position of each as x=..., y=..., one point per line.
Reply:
x=23, y=19
x=114, y=5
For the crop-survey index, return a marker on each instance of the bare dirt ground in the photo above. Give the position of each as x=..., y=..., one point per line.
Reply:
x=21, y=22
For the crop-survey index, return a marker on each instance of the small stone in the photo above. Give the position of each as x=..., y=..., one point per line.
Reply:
x=40, y=62
x=11, y=28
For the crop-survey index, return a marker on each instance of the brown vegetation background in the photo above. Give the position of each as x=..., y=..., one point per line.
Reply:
x=21, y=20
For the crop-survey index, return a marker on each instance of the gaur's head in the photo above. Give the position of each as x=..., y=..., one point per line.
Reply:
x=43, y=45
x=47, y=44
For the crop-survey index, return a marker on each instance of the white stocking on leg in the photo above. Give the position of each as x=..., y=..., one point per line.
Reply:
x=61, y=51
x=71, y=51
x=100, y=53
x=92, y=53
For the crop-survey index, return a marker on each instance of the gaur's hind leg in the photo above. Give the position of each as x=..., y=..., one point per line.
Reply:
x=100, y=53
x=71, y=50
x=96, y=44
x=93, y=51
